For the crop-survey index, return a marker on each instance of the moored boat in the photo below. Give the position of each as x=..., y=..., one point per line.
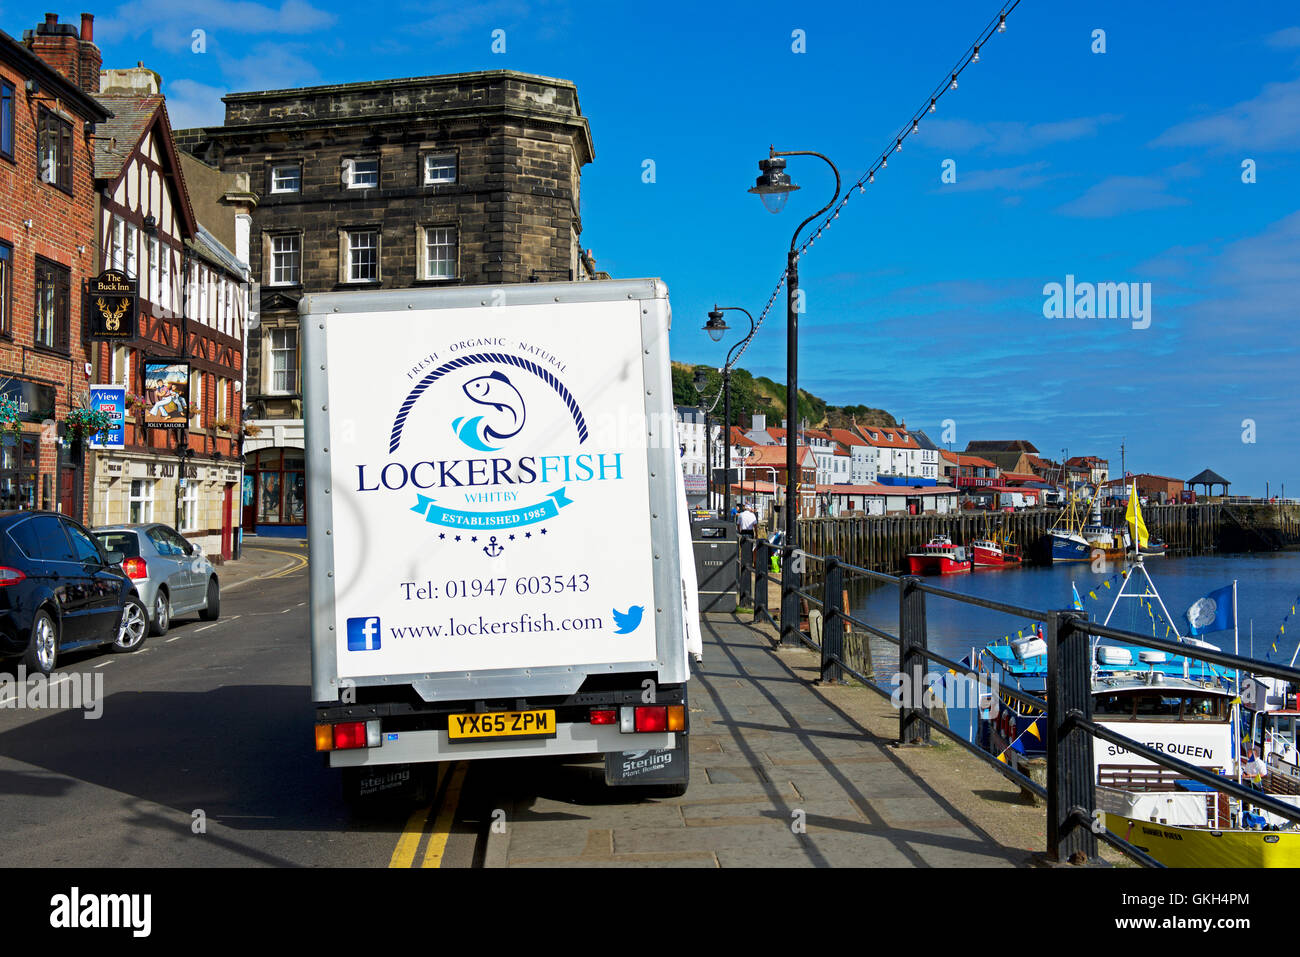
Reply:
x=994, y=552
x=940, y=557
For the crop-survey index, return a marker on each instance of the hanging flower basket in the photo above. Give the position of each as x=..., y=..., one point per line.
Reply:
x=84, y=424
x=10, y=417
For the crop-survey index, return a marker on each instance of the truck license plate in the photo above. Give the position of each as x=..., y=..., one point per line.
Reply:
x=501, y=724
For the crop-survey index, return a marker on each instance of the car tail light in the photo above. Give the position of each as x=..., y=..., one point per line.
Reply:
x=652, y=718
x=604, y=716
x=10, y=576
x=324, y=737
x=676, y=717
x=135, y=568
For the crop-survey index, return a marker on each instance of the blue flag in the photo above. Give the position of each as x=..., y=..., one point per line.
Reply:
x=1214, y=612
x=1078, y=602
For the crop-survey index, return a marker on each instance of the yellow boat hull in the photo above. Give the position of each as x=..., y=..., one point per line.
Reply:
x=1201, y=847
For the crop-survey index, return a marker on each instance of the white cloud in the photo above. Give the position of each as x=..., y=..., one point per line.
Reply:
x=1269, y=121
x=1011, y=137
x=1117, y=195
x=171, y=23
x=191, y=104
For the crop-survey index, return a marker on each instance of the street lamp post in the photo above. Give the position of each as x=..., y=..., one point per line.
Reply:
x=701, y=383
x=717, y=327
x=774, y=187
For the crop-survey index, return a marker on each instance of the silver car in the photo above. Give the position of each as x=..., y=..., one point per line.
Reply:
x=170, y=573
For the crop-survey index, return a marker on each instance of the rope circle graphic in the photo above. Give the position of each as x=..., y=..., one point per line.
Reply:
x=570, y=402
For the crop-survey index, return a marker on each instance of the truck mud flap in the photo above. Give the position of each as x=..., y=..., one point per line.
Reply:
x=386, y=782
x=652, y=767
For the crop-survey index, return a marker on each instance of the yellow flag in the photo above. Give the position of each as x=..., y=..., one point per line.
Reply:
x=1033, y=729
x=1002, y=757
x=1134, y=517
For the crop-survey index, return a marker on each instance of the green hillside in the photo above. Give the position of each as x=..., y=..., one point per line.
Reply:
x=761, y=395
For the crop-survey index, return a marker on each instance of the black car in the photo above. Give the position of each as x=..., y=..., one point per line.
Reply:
x=60, y=591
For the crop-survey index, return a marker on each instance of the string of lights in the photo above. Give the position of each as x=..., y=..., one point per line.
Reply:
x=911, y=128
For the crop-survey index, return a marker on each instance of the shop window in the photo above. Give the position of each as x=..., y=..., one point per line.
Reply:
x=19, y=468
x=279, y=487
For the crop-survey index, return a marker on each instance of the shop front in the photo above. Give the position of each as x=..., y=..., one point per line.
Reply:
x=35, y=467
x=274, y=495
x=197, y=498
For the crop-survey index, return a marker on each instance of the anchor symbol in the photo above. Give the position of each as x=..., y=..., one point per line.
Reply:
x=492, y=548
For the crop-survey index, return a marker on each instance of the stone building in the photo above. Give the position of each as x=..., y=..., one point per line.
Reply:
x=469, y=178
x=47, y=248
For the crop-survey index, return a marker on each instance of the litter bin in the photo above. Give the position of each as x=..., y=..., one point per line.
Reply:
x=716, y=547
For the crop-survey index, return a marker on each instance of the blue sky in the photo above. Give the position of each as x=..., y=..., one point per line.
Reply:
x=925, y=298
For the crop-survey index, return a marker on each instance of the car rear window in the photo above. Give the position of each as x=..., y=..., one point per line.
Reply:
x=124, y=542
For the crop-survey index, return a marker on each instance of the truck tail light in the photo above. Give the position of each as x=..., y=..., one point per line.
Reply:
x=604, y=716
x=324, y=737
x=676, y=717
x=10, y=576
x=652, y=718
x=135, y=568
x=348, y=736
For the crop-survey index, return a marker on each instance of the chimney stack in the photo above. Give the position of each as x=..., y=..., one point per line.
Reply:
x=59, y=45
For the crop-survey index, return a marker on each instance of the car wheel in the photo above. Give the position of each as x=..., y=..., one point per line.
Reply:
x=212, y=611
x=43, y=647
x=162, y=614
x=134, y=628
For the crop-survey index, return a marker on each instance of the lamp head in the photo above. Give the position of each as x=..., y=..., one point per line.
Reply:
x=773, y=185
x=716, y=327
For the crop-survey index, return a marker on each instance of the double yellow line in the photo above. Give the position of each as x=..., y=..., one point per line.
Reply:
x=299, y=559
x=408, y=844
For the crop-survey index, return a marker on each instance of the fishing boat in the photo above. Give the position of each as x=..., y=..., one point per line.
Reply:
x=1064, y=540
x=1180, y=706
x=996, y=551
x=1113, y=543
x=940, y=557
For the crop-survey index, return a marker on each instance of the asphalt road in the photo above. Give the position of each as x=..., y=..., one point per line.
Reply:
x=203, y=756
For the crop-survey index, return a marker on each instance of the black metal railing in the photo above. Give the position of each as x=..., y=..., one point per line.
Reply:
x=1070, y=792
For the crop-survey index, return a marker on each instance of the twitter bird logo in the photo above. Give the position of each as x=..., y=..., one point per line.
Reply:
x=626, y=622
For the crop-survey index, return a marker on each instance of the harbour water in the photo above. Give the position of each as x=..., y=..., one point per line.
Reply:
x=1268, y=584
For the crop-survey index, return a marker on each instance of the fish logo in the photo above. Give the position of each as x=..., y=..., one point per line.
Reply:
x=505, y=420
x=626, y=622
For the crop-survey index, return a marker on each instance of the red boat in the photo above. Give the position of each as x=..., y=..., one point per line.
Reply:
x=988, y=553
x=941, y=557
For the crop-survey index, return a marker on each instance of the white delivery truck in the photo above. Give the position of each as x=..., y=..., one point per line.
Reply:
x=496, y=530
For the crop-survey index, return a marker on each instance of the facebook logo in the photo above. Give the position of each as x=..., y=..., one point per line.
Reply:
x=363, y=634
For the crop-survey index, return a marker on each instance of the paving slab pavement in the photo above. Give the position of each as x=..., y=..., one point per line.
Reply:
x=786, y=773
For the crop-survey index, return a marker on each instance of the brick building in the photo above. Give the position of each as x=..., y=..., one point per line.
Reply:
x=469, y=178
x=47, y=247
x=191, y=319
